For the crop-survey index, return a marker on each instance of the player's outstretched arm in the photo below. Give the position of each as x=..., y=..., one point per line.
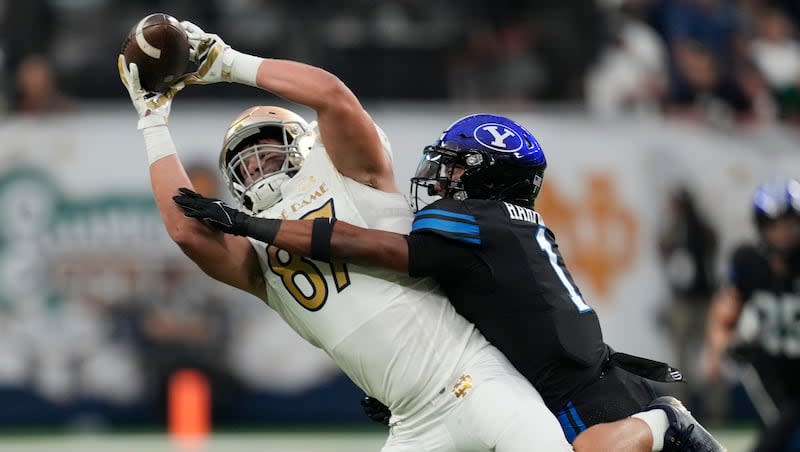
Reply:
x=347, y=131
x=322, y=239
x=226, y=258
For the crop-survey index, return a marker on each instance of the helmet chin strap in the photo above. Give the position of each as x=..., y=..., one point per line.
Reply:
x=458, y=194
x=266, y=193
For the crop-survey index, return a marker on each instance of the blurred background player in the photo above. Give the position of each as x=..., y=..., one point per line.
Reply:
x=478, y=236
x=758, y=312
x=687, y=246
x=448, y=388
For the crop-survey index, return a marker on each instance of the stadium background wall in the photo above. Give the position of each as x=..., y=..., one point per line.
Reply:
x=81, y=238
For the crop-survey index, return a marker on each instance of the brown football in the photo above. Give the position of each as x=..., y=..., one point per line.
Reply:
x=160, y=48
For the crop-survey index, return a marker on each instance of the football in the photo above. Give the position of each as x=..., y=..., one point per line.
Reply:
x=160, y=48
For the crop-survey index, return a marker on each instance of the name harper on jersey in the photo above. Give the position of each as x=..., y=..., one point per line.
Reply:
x=520, y=213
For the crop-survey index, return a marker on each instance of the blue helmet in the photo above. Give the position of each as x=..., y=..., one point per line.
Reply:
x=496, y=157
x=776, y=199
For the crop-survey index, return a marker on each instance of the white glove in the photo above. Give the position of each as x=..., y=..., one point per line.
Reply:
x=217, y=61
x=153, y=108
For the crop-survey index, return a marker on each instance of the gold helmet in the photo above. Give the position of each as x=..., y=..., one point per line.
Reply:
x=263, y=147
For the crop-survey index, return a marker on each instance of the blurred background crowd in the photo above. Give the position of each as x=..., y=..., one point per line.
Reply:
x=96, y=322
x=719, y=61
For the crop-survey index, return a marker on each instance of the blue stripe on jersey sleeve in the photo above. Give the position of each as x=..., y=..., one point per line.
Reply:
x=473, y=240
x=566, y=426
x=459, y=238
x=580, y=426
x=445, y=226
x=445, y=213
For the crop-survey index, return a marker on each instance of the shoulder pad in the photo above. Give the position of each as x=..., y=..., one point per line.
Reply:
x=450, y=219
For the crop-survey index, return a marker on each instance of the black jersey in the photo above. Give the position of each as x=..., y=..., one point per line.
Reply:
x=770, y=317
x=500, y=267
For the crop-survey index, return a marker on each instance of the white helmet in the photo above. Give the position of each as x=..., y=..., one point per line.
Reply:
x=242, y=154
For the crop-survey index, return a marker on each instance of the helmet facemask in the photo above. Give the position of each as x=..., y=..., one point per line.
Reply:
x=264, y=148
x=257, y=171
x=444, y=173
x=438, y=176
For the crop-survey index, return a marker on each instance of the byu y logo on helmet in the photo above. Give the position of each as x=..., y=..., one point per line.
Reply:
x=501, y=137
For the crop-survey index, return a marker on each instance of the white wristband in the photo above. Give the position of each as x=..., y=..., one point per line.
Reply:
x=158, y=143
x=244, y=67
x=151, y=120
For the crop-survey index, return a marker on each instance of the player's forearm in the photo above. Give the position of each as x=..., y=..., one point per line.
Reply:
x=369, y=247
x=722, y=318
x=322, y=239
x=304, y=84
x=718, y=337
x=345, y=129
x=166, y=176
x=348, y=243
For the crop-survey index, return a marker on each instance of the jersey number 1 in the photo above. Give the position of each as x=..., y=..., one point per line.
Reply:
x=294, y=269
x=552, y=257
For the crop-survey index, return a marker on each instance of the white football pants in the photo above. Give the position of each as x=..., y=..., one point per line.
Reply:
x=500, y=412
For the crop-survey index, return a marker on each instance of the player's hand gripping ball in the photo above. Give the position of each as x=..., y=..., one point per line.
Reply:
x=159, y=47
x=213, y=57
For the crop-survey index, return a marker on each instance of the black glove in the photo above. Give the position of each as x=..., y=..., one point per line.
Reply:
x=213, y=212
x=222, y=217
x=376, y=411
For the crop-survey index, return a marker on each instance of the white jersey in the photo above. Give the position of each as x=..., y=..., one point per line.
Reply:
x=398, y=338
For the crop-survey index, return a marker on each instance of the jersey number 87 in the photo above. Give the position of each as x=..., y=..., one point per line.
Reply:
x=290, y=268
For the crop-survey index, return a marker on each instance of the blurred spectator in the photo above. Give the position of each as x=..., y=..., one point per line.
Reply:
x=498, y=64
x=703, y=91
x=714, y=24
x=777, y=56
x=711, y=77
x=37, y=92
x=414, y=23
x=629, y=75
x=688, y=246
x=515, y=72
x=516, y=51
x=27, y=29
x=183, y=325
x=536, y=52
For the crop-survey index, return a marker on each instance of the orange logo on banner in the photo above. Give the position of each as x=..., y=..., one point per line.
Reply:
x=597, y=234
